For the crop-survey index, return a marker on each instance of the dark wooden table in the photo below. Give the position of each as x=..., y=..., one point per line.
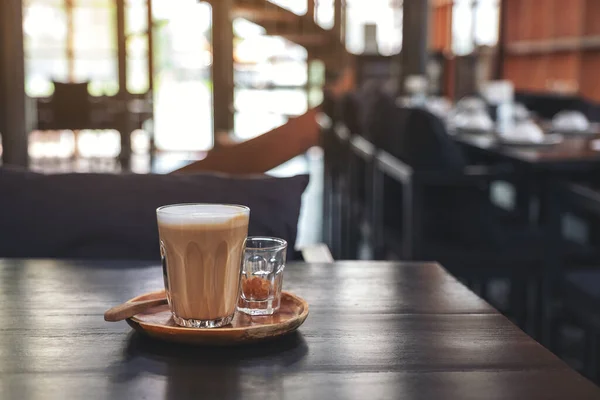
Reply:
x=538, y=168
x=375, y=330
x=574, y=153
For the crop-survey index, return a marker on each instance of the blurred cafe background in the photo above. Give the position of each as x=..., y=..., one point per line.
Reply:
x=467, y=131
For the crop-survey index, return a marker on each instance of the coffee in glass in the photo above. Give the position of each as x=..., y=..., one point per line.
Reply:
x=201, y=248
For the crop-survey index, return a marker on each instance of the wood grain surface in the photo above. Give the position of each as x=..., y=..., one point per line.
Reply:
x=375, y=331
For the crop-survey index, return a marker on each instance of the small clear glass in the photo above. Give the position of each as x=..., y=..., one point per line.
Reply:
x=262, y=275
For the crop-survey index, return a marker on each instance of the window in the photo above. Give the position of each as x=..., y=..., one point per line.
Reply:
x=45, y=35
x=70, y=41
x=136, y=36
x=324, y=13
x=487, y=22
x=462, y=27
x=270, y=75
x=94, y=46
x=182, y=86
x=75, y=41
x=385, y=14
x=474, y=23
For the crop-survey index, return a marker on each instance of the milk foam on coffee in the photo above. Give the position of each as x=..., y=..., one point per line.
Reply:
x=203, y=246
x=185, y=214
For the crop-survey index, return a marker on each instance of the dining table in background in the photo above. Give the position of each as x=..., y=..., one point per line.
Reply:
x=123, y=115
x=576, y=157
x=375, y=330
x=574, y=153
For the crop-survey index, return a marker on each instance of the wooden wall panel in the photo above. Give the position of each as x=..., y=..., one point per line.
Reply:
x=535, y=79
x=590, y=67
x=537, y=72
x=541, y=72
x=512, y=10
x=564, y=72
x=528, y=11
x=513, y=67
x=592, y=17
x=542, y=27
x=564, y=66
x=569, y=18
x=555, y=46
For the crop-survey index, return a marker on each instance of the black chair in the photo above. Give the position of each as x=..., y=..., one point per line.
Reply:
x=447, y=214
x=348, y=166
x=580, y=301
x=548, y=105
x=334, y=140
x=580, y=199
x=359, y=111
x=578, y=288
x=381, y=133
x=359, y=170
x=328, y=144
x=70, y=105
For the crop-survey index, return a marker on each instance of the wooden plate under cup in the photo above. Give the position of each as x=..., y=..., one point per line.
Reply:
x=157, y=322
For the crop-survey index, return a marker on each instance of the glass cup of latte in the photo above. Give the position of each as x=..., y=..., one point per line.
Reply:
x=201, y=249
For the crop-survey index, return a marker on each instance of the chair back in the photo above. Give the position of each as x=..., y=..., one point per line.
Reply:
x=547, y=106
x=349, y=113
x=385, y=124
x=382, y=122
x=424, y=144
x=70, y=105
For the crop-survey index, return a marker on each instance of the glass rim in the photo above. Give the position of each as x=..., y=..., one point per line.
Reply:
x=278, y=243
x=164, y=209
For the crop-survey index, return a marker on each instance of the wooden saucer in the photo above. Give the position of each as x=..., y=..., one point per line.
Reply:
x=158, y=323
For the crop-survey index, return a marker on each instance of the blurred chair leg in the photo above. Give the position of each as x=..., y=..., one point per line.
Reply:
x=483, y=290
x=152, y=149
x=553, y=261
x=338, y=218
x=345, y=207
x=335, y=219
x=590, y=363
x=518, y=301
x=367, y=231
x=348, y=204
x=376, y=216
x=327, y=209
x=523, y=198
x=543, y=323
x=355, y=206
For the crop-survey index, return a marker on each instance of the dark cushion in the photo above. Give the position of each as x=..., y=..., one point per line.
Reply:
x=114, y=216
